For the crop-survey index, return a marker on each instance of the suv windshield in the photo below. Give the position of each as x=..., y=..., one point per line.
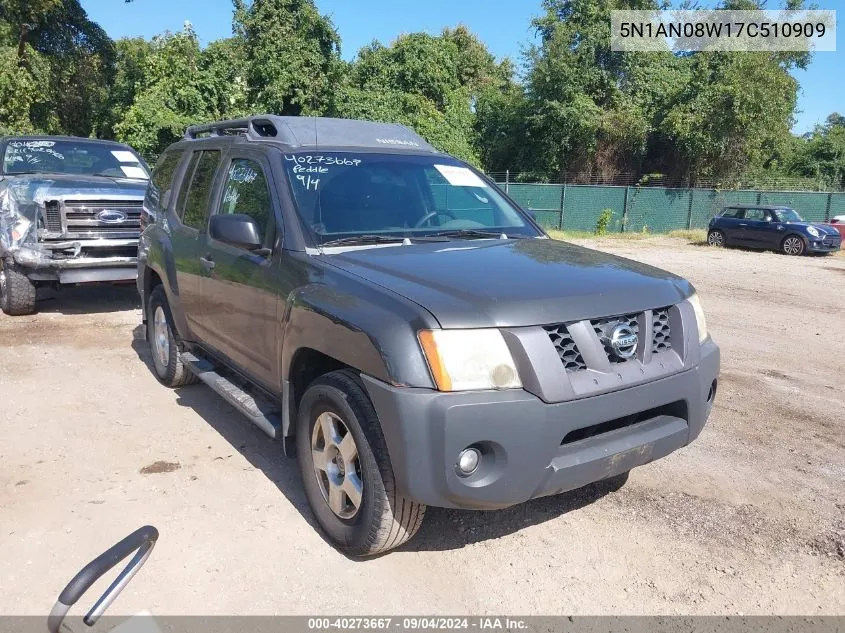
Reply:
x=789, y=215
x=341, y=196
x=82, y=158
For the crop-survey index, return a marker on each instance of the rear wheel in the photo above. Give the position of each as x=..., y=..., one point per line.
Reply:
x=346, y=469
x=169, y=368
x=793, y=245
x=17, y=292
x=716, y=238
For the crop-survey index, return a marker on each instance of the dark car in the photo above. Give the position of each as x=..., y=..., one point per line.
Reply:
x=771, y=228
x=69, y=213
x=405, y=328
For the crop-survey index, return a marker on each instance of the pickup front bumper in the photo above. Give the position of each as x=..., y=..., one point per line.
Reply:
x=78, y=261
x=531, y=448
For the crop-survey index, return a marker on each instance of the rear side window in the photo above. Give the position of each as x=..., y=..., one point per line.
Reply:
x=162, y=179
x=194, y=198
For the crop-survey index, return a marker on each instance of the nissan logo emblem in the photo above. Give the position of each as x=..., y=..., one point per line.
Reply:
x=623, y=341
x=111, y=216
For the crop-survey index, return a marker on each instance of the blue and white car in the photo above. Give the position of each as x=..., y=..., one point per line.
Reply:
x=771, y=228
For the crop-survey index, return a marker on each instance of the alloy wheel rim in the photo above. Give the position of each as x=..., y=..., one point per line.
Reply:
x=792, y=246
x=716, y=239
x=337, y=465
x=161, y=337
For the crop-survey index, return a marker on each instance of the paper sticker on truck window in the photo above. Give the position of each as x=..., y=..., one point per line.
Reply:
x=133, y=172
x=124, y=157
x=459, y=176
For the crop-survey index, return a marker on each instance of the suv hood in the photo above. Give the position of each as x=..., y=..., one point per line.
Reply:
x=512, y=283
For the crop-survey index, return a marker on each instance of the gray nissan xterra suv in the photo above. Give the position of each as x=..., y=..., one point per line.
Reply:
x=389, y=314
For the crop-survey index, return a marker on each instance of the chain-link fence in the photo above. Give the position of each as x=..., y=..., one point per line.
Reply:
x=655, y=209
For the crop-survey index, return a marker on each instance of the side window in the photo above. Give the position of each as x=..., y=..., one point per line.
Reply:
x=162, y=178
x=186, y=183
x=199, y=191
x=755, y=214
x=246, y=192
x=731, y=213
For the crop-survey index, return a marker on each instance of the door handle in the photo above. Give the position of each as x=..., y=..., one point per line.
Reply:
x=742, y=224
x=207, y=264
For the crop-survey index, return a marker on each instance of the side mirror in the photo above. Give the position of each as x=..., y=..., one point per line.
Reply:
x=237, y=229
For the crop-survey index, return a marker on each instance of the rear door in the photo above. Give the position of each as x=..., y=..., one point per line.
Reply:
x=187, y=227
x=240, y=301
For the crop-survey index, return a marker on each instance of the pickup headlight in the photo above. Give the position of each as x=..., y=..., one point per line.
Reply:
x=469, y=359
x=813, y=231
x=699, y=317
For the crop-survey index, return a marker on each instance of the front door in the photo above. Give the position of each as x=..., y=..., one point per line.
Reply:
x=240, y=296
x=760, y=227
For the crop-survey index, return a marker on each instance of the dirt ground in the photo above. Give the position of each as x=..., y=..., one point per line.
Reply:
x=749, y=519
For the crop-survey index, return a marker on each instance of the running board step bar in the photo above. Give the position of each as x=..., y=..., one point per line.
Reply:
x=262, y=413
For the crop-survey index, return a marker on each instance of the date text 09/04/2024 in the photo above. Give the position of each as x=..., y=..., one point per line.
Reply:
x=486, y=623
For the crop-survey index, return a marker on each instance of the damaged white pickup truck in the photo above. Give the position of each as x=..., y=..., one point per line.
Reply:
x=70, y=213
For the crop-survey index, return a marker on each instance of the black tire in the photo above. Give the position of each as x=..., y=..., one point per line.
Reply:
x=17, y=292
x=716, y=238
x=384, y=519
x=169, y=368
x=793, y=245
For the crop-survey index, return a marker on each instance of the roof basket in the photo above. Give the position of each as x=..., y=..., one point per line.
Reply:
x=253, y=126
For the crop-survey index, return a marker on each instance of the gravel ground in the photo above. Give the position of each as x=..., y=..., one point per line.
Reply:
x=749, y=519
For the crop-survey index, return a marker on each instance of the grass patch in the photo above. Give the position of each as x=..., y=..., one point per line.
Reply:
x=587, y=235
x=695, y=236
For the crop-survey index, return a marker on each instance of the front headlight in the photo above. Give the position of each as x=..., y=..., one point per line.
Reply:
x=699, y=317
x=469, y=359
x=813, y=231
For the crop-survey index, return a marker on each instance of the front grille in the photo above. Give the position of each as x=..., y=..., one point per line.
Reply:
x=566, y=347
x=571, y=356
x=661, y=333
x=52, y=216
x=82, y=217
x=604, y=327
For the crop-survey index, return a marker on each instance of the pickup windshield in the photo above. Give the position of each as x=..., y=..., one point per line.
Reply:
x=79, y=158
x=342, y=195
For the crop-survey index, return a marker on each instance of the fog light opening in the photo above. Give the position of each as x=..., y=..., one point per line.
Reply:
x=468, y=461
x=712, y=393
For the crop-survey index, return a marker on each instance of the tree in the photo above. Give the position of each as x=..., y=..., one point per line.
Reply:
x=821, y=155
x=292, y=55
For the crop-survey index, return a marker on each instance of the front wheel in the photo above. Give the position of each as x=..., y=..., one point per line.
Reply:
x=793, y=245
x=716, y=238
x=346, y=470
x=169, y=368
x=17, y=292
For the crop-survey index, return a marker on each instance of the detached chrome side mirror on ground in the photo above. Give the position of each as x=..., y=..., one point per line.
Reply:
x=141, y=542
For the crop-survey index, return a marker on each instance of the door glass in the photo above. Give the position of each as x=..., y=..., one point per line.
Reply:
x=162, y=178
x=199, y=192
x=755, y=214
x=247, y=192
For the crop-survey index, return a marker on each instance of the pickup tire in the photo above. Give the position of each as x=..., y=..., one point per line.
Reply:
x=17, y=292
x=169, y=368
x=383, y=519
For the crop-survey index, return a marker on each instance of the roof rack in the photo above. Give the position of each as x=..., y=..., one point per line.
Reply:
x=299, y=132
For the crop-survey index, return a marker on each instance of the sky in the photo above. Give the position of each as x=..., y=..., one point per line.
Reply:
x=504, y=25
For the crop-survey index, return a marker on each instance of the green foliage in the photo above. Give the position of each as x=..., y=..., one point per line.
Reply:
x=603, y=221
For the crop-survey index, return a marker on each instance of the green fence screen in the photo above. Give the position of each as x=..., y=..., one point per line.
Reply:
x=656, y=209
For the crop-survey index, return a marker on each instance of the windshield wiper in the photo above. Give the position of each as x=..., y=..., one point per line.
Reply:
x=473, y=234
x=364, y=239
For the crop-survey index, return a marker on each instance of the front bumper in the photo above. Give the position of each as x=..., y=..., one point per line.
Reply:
x=83, y=265
x=522, y=439
x=827, y=244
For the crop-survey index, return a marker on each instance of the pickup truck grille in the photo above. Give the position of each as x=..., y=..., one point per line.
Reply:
x=571, y=357
x=102, y=218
